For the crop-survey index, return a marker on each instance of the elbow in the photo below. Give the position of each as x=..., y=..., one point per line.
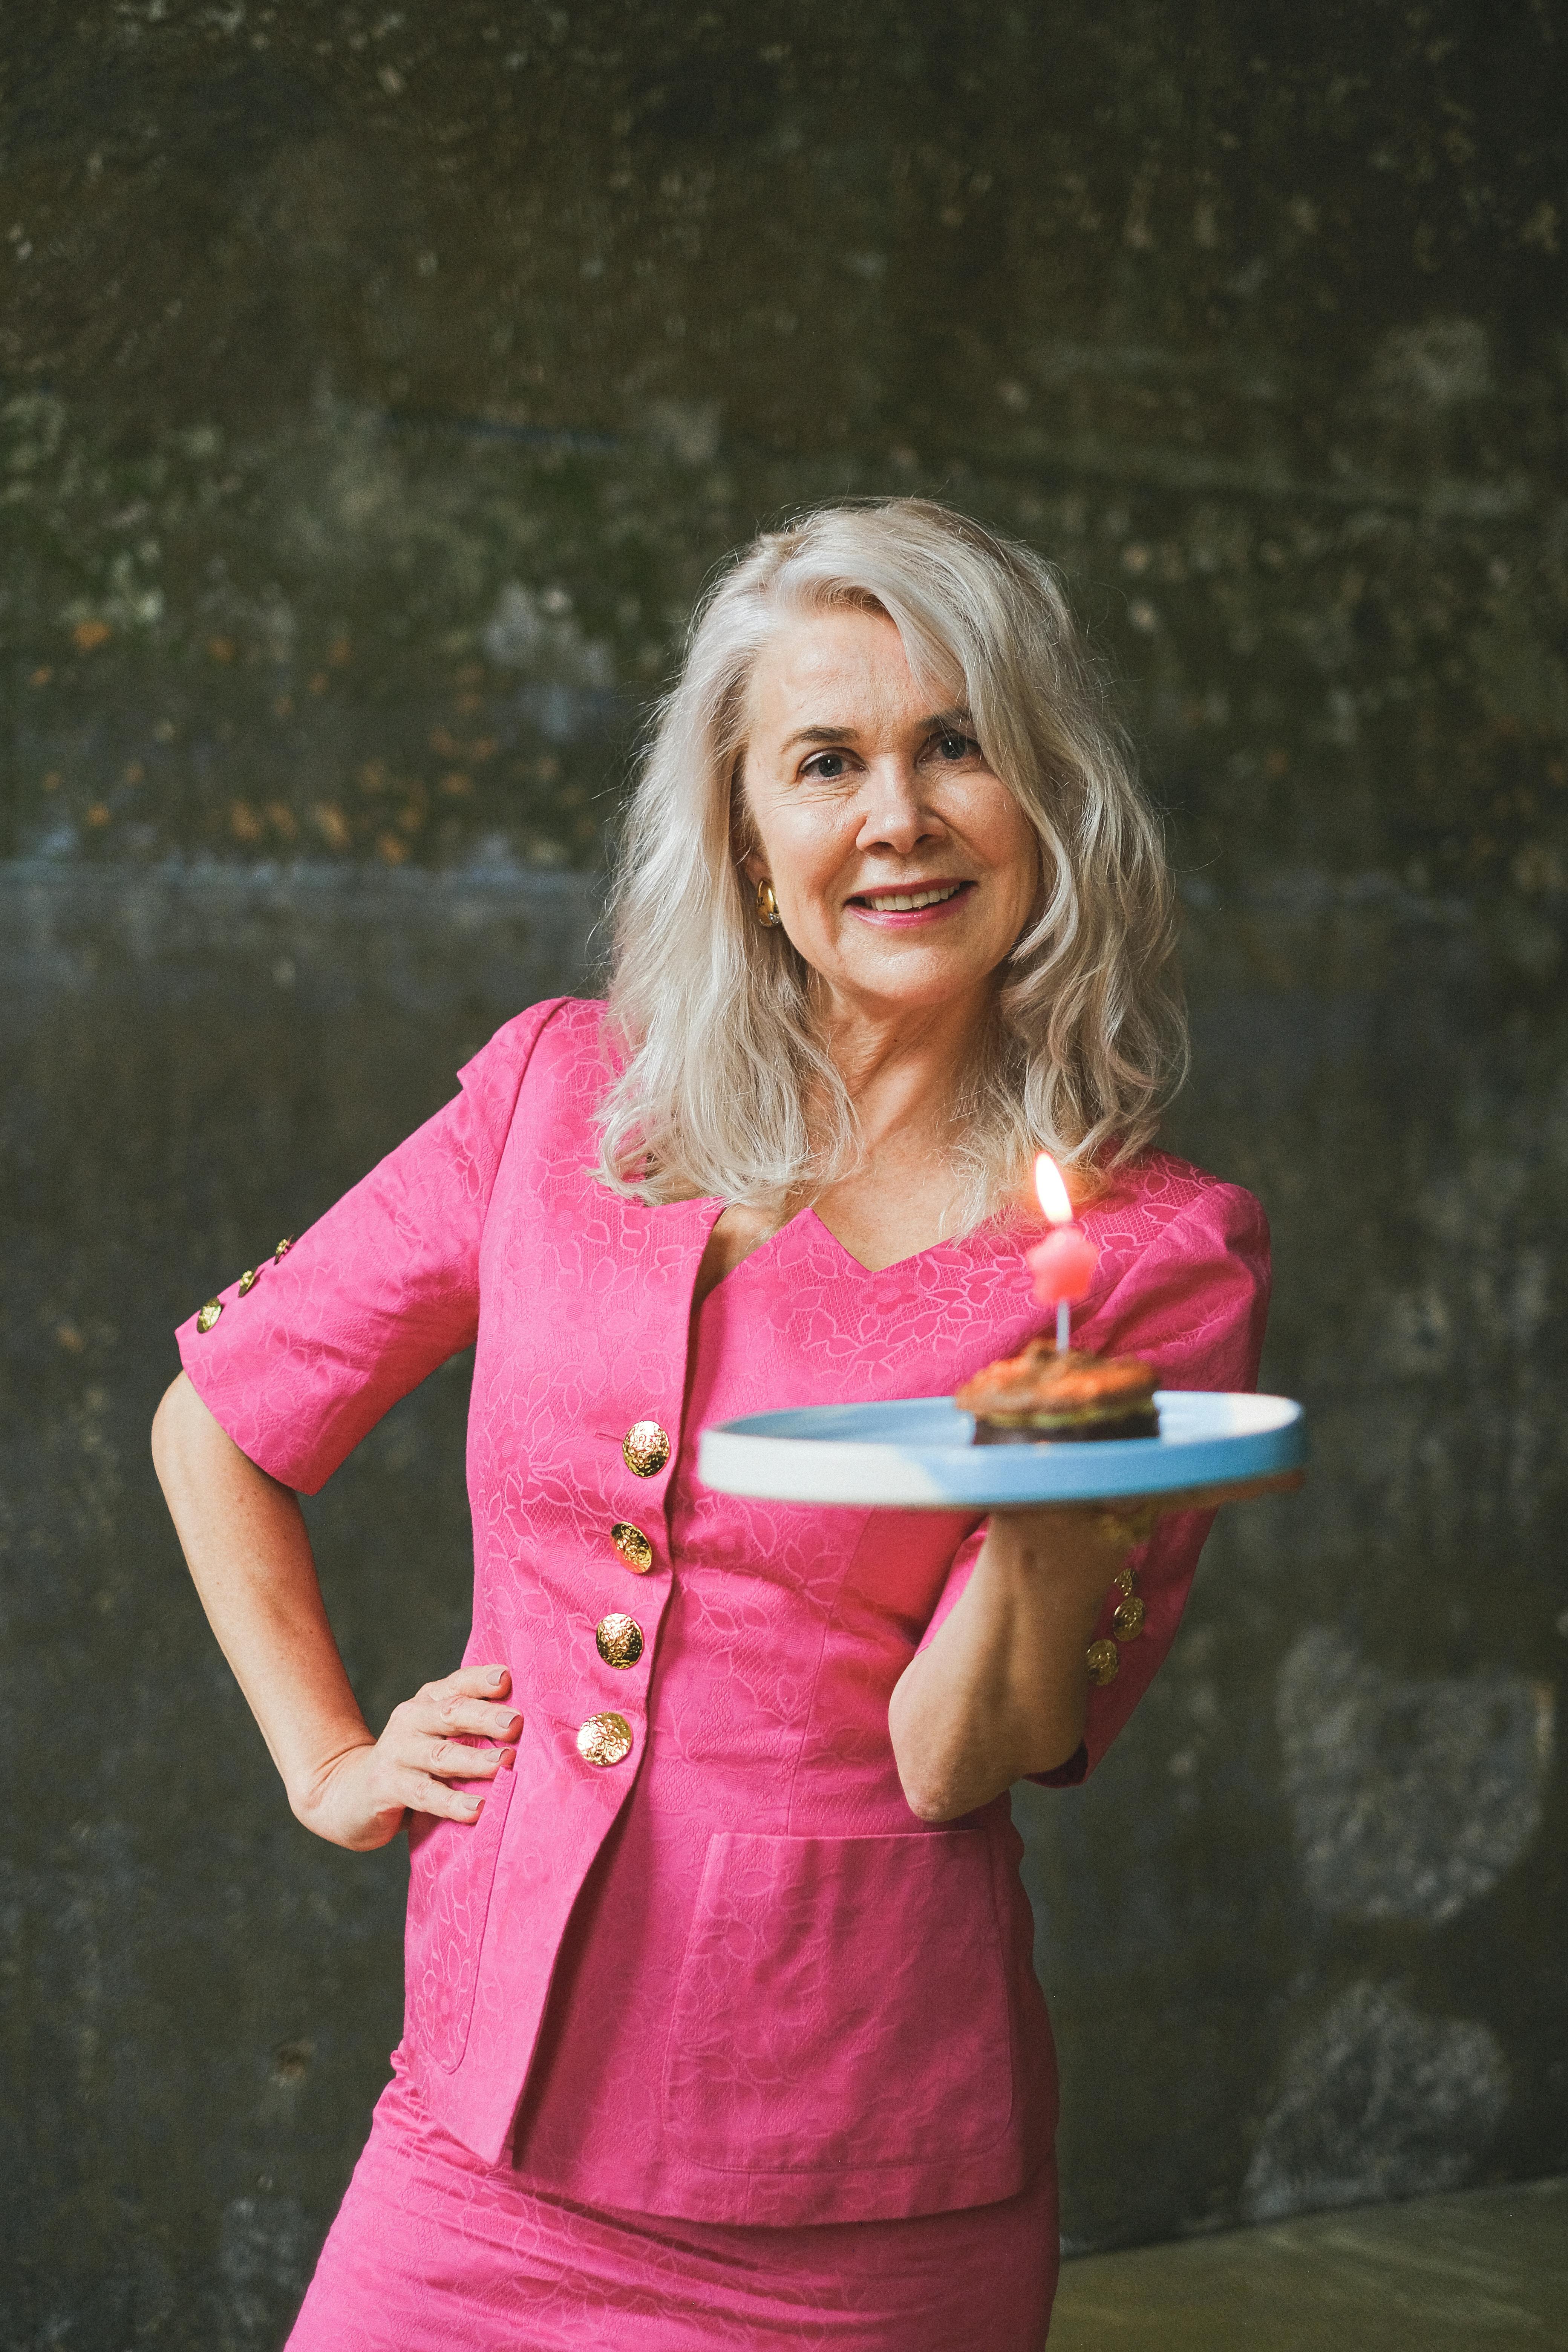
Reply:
x=934, y=1808
x=171, y=1427
x=935, y=1800
x=942, y=1770
x=163, y=1430
x=923, y=1792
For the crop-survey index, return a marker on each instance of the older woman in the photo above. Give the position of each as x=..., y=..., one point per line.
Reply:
x=721, y=2027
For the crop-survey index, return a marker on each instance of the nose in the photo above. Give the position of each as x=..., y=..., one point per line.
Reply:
x=895, y=812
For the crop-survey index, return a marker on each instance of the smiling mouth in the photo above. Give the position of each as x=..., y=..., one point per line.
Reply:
x=908, y=902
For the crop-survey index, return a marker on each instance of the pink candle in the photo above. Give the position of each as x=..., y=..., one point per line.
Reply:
x=1063, y=1264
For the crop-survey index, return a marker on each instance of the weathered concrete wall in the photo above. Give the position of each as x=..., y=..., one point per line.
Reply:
x=378, y=390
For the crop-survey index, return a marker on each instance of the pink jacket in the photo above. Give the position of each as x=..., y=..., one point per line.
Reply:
x=729, y=1975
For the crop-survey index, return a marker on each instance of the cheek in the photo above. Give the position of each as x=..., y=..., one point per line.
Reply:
x=1007, y=841
x=805, y=848
x=1029, y=870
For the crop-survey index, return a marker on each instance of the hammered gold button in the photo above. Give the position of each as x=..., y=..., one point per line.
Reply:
x=644, y=1449
x=618, y=1639
x=1125, y=1582
x=1102, y=1658
x=1127, y=1622
x=633, y=1547
x=605, y=1739
x=247, y=1280
x=283, y=1248
x=209, y=1316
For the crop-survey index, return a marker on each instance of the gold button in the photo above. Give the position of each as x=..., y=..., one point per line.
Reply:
x=646, y=1449
x=1125, y=1582
x=619, y=1639
x=1127, y=1622
x=605, y=1739
x=1102, y=1658
x=247, y=1280
x=209, y=1316
x=633, y=1546
x=283, y=1248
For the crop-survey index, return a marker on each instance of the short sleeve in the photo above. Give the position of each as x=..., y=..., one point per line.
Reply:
x=1194, y=1302
x=378, y=1292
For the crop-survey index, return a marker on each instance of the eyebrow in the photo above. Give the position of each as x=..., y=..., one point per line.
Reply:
x=940, y=722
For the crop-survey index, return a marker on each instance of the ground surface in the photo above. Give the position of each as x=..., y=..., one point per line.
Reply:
x=1481, y=2273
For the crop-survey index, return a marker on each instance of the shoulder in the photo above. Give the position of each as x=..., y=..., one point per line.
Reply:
x=1170, y=1206
x=556, y=1045
x=1183, y=1273
x=535, y=1091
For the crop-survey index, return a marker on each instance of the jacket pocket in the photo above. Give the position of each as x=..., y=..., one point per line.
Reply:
x=451, y=1869
x=842, y=2003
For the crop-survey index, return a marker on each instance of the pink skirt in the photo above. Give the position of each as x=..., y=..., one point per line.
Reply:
x=435, y=2251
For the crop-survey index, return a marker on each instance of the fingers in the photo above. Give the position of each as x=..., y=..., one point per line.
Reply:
x=470, y=1701
x=468, y=1715
x=1126, y=1524
x=1114, y=1528
x=451, y=1760
x=421, y=1794
x=423, y=1786
x=429, y=1741
x=471, y=1682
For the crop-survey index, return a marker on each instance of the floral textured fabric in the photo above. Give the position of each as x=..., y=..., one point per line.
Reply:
x=731, y=1978
x=435, y=2251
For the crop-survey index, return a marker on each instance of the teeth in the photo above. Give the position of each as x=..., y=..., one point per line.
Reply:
x=905, y=902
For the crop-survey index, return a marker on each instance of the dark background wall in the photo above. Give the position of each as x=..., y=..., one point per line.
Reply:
x=379, y=386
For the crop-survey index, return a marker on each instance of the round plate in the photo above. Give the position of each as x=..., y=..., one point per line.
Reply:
x=918, y=1455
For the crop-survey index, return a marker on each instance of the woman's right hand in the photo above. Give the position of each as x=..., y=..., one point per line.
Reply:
x=1001, y=1690
x=360, y=1796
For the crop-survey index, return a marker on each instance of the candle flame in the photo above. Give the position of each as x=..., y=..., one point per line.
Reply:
x=1053, y=1193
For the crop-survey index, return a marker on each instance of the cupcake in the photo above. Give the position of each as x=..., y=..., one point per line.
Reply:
x=1041, y=1397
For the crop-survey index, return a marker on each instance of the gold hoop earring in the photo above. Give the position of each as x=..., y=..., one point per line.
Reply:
x=768, y=913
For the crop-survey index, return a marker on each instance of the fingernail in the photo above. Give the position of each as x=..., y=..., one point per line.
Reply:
x=478, y=1805
x=496, y=1673
x=507, y=1758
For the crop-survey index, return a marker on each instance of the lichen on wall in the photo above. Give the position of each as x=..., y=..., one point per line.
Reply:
x=1410, y=1798
x=1377, y=2101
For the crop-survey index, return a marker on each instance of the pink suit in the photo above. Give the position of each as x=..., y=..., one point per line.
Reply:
x=729, y=1979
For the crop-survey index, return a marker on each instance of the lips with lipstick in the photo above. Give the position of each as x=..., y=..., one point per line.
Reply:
x=913, y=899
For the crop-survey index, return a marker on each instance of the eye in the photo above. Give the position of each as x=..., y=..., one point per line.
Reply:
x=952, y=747
x=829, y=766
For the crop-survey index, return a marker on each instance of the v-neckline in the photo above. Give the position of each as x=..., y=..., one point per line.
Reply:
x=809, y=1215
x=894, y=1265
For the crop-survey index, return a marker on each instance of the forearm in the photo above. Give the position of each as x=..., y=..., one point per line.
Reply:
x=1003, y=1689
x=245, y=1541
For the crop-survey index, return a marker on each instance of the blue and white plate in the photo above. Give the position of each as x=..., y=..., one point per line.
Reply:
x=917, y=1455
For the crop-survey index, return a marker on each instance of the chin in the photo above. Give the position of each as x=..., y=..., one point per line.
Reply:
x=924, y=985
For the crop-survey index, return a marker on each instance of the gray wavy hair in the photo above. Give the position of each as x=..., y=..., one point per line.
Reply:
x=726, y=1090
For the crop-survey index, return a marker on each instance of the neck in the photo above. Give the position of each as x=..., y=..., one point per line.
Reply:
x=901, y=1068
x=901, y=1073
